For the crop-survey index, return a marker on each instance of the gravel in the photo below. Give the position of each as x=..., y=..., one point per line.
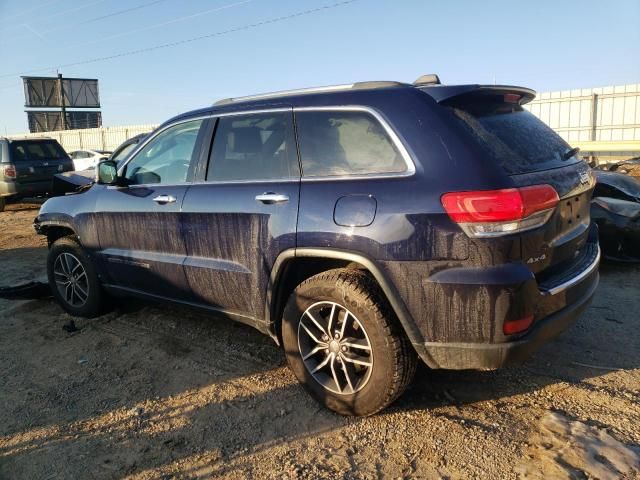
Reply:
x=151, y=391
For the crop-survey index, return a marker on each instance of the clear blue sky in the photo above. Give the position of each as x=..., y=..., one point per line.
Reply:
x=546, y=45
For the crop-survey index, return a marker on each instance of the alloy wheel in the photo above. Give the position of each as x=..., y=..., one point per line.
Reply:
x=335, y=348
x=71, y=279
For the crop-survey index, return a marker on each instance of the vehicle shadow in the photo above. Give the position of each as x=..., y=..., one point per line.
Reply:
x=23, y=265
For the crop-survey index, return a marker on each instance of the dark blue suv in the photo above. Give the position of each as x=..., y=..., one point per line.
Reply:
x=361, y=226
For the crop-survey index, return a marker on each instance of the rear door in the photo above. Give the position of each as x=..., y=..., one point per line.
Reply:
x=531, y=153
x=244, y=213
x=139, y=226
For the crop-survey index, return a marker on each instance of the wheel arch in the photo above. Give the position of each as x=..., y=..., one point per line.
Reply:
x=284, y=278
x=55, y=230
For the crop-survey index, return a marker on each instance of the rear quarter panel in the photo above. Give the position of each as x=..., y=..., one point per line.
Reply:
x=411, y=237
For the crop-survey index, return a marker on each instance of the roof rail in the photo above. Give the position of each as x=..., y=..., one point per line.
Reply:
x=306, y=91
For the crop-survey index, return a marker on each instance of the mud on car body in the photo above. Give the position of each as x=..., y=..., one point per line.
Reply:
x=362, y=227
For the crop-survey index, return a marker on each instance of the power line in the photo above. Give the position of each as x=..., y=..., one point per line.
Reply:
x=57, y=14
x=74, y=9
x=24, y=12
x=120, y=12
x=98, y=18
x=188, y=40
x=168, y=22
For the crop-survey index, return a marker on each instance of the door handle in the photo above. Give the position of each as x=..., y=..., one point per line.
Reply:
x=164, y=199
x=270, y=198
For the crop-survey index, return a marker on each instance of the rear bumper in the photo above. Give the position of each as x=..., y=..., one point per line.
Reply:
x=555, y=310
x=26, y=189
x=461, y=356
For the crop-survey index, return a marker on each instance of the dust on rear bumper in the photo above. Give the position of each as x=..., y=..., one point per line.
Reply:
x=556, y=308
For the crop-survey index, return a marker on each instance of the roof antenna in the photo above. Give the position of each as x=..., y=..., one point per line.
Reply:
x=429, y=79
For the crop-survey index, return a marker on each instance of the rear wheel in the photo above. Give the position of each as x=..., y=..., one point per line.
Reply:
x=73, y=280
x=3, y=203
x=344, y=344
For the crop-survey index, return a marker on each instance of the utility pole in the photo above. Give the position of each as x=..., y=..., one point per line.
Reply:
x=64, y=110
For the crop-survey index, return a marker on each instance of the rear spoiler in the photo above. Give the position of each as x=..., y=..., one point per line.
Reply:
x=445, y=94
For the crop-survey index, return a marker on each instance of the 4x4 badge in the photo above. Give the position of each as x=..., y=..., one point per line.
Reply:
x=584, y=177
x=537, y=259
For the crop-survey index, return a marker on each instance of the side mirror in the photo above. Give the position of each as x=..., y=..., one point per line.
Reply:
x=107, y=173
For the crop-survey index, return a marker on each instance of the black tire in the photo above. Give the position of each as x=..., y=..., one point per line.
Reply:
x=94, y=303
x=3, y=203
x=392, y=358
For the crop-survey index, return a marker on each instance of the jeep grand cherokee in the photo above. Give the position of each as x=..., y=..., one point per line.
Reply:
x=361, y=226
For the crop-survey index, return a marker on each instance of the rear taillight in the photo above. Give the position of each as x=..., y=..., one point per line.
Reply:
x=9, y=171
x=491, y=213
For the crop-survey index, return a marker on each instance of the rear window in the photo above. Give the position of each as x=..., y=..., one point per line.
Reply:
x=37, y=150
x=515, y=138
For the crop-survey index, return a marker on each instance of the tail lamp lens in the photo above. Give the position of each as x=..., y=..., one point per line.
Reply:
x=489, y=213
x=9, y=171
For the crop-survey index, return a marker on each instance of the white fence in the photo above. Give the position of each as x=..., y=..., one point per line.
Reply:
x=603, y=122
x=105, y=138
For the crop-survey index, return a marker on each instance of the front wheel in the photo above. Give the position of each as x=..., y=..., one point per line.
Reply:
x=344, y=343
x=73, y=279
x=3, y=203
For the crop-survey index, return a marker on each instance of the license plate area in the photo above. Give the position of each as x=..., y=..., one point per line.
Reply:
x=574, y=211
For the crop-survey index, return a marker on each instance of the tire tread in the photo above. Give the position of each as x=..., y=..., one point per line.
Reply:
x=362, y=284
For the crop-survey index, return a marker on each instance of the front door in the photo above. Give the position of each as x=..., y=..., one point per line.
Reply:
x=244, y=214
x=139, y=226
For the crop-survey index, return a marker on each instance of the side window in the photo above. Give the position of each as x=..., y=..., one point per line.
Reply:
x=120, y=155
x=254, y=147
x=166, y=158
x=345, y=143
x=18, y=152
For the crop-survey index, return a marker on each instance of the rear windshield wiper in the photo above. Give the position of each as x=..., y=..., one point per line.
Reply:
x=567, y=155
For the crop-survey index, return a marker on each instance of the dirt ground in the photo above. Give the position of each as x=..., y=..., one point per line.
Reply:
x=161, y=392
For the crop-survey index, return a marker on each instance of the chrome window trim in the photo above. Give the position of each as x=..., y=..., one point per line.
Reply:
x=247, y=182
x=204, y=182
x=410, y=171
x=140, y=146
x=251, y=112
x=408, y=160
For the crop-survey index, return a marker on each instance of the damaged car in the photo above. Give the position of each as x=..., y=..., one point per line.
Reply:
x=615, y=208
x=628, y=167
